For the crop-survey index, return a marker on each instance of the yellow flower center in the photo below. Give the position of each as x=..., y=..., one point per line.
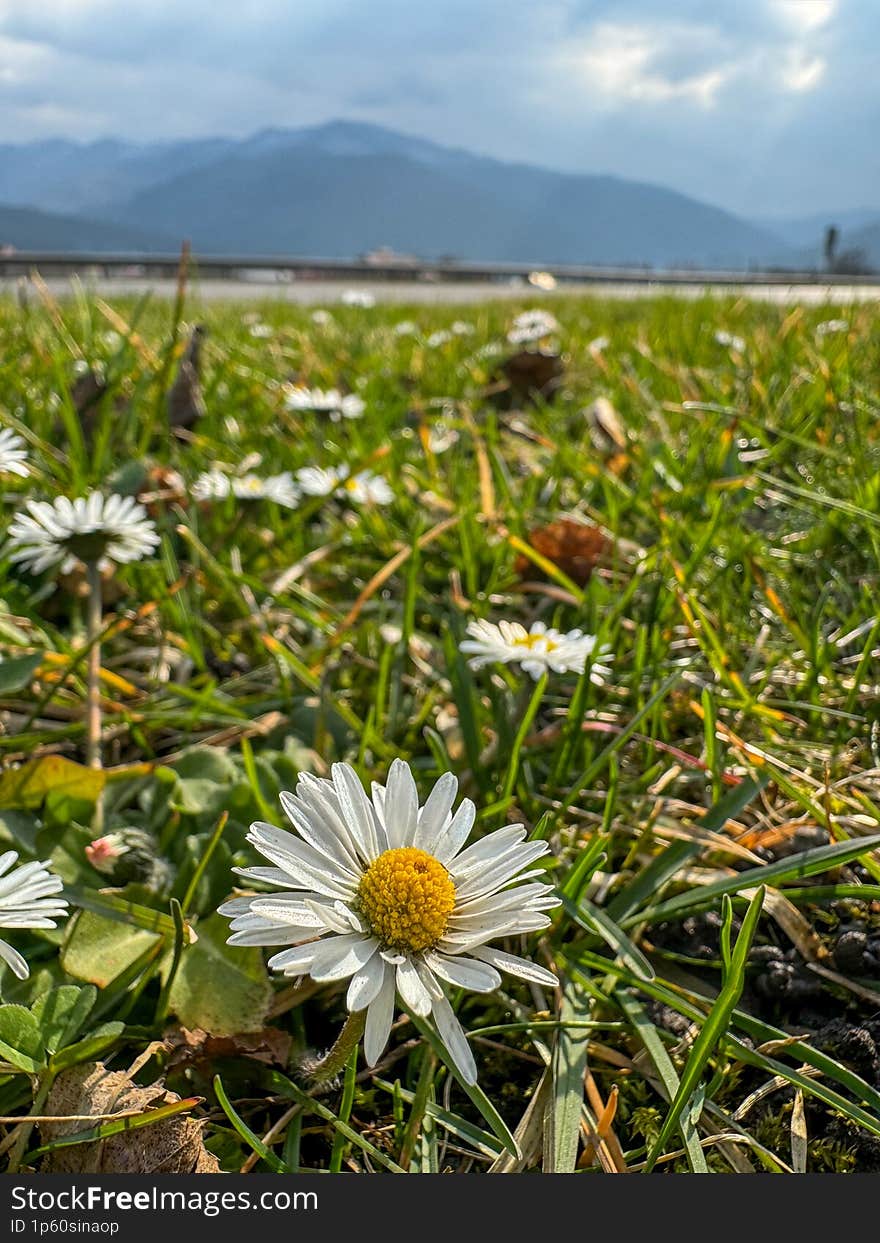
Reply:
x=406, y=898
x=351, y=485
x=531, y=641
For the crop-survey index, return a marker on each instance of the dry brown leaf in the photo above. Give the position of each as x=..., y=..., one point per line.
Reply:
x=173, y=1146
x=527, y=375
x=574, y=547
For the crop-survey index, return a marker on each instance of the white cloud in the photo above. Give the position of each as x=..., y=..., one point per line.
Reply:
x=802, y=72
x=805, y=15
x=621, y=63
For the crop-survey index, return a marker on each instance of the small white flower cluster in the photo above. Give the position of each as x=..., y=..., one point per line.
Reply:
x=829, y=327
x=330, y=401
x=532, y=326
x=364, y=488
x=90, y=529
x=730, y=341
x=13, y=454
x=215, y=485
x=357, y=297
x=537, y=650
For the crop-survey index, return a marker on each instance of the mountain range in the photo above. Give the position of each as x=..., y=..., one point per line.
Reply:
x=344, y=188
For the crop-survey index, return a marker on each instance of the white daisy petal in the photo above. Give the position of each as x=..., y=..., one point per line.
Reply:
x=30, y=897
x=511, y=964
x=434, y=818
x=14, y=960
x=358, y=810
x=452, y=838
x=411, y=988
x=365, y=984
x=401, y=805
x=339, y=957
x=453, y=1037
x=380, y=1016
x=464, y=972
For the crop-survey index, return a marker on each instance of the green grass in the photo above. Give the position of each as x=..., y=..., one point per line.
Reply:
x=739, y=601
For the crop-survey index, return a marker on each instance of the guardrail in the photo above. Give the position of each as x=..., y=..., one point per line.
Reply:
x=282, y=268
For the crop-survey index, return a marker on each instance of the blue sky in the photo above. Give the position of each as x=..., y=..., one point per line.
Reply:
x=763, y=106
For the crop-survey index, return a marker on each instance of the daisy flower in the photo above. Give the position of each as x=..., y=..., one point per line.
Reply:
x=357, y=297
x=13, y=454
x=405, y=328
x=322, y=318
x=532, y=326
x=730, y=341
x=318, y=481
x=365, y=488
x=29, y=898
x=330, y=402
x=383, y=893
x=537, y=650
x=830, y=326
x=94, y=529
x=278, y=488
x=214, y=485
x=438, y=338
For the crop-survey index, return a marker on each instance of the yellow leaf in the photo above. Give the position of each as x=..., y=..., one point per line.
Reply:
x=26, y=787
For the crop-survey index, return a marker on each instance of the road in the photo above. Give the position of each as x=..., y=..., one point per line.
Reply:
x=325, y=293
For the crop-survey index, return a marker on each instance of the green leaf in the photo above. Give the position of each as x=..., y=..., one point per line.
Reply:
x=594, y=919
x=97, y=950
x=16, y=673
x=62, y=1014
x=275, y=1164
x=714, y=1027
x=222, y=988
x=123, y=910
x=20, y=828
x=21, y=1041
x=562, y=1119
x=90, y=1048
x=656, y=1051
x=807, y=863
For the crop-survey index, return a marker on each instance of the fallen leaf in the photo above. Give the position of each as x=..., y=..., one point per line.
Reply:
x=574, y=547
x=528, y=375
x=172, y=1146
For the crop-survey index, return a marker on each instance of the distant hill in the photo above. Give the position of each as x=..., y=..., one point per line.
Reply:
x=343, y=188
x=27, y=229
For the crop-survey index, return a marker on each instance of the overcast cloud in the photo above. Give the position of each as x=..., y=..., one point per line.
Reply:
x=758, y=105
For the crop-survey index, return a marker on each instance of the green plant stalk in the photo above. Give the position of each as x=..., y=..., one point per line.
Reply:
x=180, y=939
x=197, y=875
x=93, y=666
x=524, y=726
x=334, y=1060
x=348, y=1088
x=19, y=1148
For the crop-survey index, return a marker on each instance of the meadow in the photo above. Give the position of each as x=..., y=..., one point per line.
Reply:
x=695, y=484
